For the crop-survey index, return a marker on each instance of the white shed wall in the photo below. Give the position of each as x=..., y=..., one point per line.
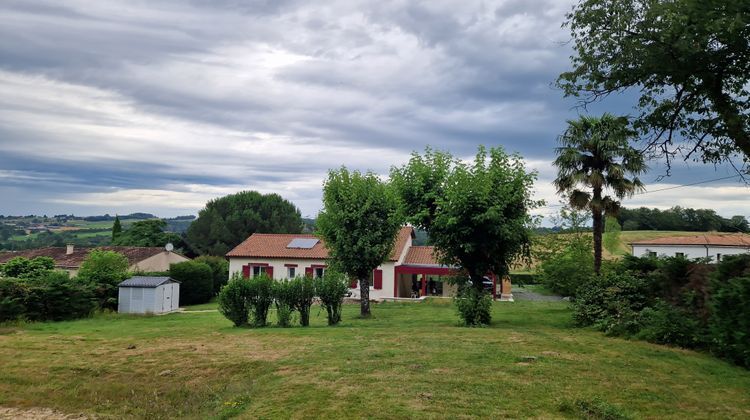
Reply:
x=143, y=300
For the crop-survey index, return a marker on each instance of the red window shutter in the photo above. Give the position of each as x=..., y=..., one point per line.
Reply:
x=309, y=271
x=245, y=271
x=353, y=283
x=377, y=279
x=269, y=271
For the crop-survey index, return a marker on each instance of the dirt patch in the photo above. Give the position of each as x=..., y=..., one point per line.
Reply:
x=37, y=414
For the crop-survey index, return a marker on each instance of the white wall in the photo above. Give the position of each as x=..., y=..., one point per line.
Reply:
x=280, y=272
x=690, y=251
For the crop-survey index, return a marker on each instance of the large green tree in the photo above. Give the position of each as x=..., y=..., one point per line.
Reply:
x=595, y=156
x=229, y=220
x=688, y=59
x=359, y=223
x=147, y=233
x=104, y=270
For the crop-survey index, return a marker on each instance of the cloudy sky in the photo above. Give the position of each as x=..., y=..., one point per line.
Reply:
x=158, y=106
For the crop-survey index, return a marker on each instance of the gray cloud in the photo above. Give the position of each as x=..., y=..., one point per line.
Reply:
x=101, y=103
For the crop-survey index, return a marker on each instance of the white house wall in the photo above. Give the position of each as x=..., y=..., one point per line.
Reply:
x=280, y=272
x=158, y=262
x=690, y=251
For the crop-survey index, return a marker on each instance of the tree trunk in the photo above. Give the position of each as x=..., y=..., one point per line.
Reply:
x=596, y=211
x=364, y=297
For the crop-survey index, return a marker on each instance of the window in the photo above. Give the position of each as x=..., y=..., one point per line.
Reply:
x=258, y=270
x=652, y=254
x=291, y=272
x=679, y=254
x=318, y=272
x=718, y=257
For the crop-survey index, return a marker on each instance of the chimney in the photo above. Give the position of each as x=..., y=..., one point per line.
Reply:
x=69, y=249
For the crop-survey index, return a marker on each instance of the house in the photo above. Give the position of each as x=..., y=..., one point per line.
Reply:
x=148, y=295
x=69, y=258
x=710, y=245
x=410, y=270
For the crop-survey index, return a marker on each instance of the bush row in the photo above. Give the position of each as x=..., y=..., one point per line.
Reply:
x=50, y=296
x=673, y=301
x=244, y=300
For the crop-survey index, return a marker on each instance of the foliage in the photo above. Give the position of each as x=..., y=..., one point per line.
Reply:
x=104, y=270
x=729, y=325
x=611, y=236
x=593, y=409
x=680, y=218
x=612, y=303
x=233, y=300
x=116, y=228
x=474, y=306
x=664, y=323
x=196, y=281
x=285, y=298
x=219, y=268
x=595, y=155
x=229, y=220
x=147, y=233
x=22, y=267
x=359, y=223
x=303, y=290
x=51, y=296
x=566, y=268
x=260, y=298
x=520, y=279
x=688, y=59
x=331, y=289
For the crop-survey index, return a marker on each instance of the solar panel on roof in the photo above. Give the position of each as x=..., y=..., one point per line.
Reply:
x=302, y=243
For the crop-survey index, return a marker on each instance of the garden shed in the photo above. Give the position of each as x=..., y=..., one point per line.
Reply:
x=148, y=295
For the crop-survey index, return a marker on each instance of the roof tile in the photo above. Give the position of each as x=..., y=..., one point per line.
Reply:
x=134, y=254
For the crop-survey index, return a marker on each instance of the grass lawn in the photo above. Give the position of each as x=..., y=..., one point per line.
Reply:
x=411, y=360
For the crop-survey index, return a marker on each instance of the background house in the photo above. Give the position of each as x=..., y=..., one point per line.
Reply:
x=69, y=258
x=713, y=246
x=408, y=268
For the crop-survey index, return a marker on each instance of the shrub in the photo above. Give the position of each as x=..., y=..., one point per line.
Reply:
x=612, y=303
x=304, y=292
x=285, y=299
x=260, y=298
x=233, y=300
x=729, y=324
x=474, y=306
x=196, y=281
x=22, y=267
x=565, y=271
x=219, y=269
x=104, y=270
x=331, y=290
x=594, y=409
x=49, y=297
x=667, y=324
x=520, y=279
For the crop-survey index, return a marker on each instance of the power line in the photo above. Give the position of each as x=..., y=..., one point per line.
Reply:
x=665, y=189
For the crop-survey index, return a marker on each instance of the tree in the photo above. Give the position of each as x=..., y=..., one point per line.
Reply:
x=611, y=238
x=689, y=59
x=104, y=270
x=229, y=220
x=147, y=233
x=476, y=215
x=196, y=281
x=595, y=155
x=359, y=223
x=116, y=228
x=22, y=267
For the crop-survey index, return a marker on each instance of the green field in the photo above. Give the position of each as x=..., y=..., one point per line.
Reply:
x=411, y=360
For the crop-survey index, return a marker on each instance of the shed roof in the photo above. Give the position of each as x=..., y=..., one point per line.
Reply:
x=732, y=240
x=276, y=245
x=148, y=282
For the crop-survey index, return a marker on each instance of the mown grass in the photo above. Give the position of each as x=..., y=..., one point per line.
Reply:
x=410, y=360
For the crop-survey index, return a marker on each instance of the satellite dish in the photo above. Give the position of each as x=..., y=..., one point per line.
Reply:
x=169, y=247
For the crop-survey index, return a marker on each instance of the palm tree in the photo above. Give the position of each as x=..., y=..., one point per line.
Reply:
x=595, y=156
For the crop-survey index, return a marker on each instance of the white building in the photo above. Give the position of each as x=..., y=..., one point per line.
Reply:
x=410, y=271
x=148, y=295
x=713, y=246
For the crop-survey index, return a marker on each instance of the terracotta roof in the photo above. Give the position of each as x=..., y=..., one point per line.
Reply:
x=421, y=255
x=738, y=240
x=134, y=254
x=274, y=245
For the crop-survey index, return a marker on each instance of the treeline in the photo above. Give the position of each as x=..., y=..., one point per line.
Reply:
x=679, y=218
